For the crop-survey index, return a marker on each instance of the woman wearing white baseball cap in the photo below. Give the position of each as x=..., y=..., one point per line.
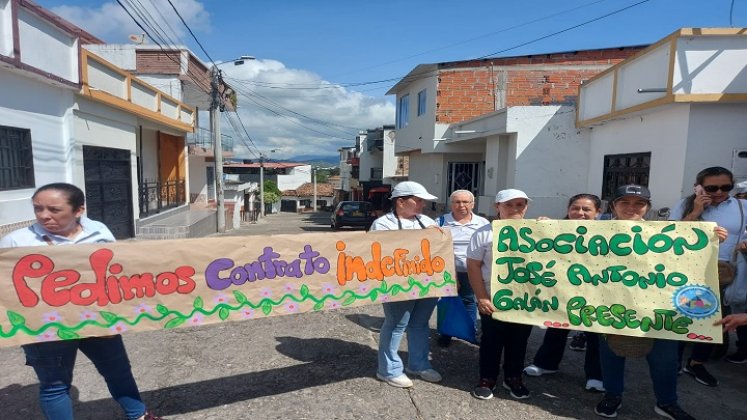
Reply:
x=498, y=337
x=408, y=200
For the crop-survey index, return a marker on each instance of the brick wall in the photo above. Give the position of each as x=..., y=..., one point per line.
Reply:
x=158, y=62
x=468, y=89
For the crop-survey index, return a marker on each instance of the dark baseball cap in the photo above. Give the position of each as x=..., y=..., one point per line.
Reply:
x=632, y=190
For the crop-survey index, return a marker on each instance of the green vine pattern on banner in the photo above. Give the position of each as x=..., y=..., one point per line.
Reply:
x=174, y=319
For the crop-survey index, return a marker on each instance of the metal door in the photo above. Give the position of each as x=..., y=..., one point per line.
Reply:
x=108, y=178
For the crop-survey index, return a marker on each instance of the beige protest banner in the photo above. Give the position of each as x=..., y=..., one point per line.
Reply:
x=652, y=279
x=66, y=292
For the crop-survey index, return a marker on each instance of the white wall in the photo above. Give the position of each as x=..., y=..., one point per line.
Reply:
x=198, y=188
x=122, y=56
x=47, y=48
x=103, y=78
x=420, y=131
x=663, y=132
x=369, y=160
x=650, y=70
x=389, y=160
x=169, y=84
x=710, y=65
x=50, y=123
x=429, y=170
x=6, y=28
x=595, y=98
x=149, y=152
x=298, y=176
x=551, y=157
x=714, y=132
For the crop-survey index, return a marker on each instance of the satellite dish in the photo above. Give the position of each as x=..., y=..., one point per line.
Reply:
x=138, y=39
x=391, y=135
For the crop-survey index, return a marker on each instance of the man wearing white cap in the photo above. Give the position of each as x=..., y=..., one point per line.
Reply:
x=498, y=337
x=408, y=200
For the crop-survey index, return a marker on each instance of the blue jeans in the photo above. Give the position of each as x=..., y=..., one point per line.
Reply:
x=412, y=315
x=663, y=365
x=54, y=361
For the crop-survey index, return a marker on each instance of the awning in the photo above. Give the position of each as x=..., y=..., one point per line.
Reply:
x=386, y=189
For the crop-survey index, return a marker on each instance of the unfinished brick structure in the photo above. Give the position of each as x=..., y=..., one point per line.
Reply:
x=467, y=89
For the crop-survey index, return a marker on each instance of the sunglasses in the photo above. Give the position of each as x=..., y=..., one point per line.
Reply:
x=714, y=188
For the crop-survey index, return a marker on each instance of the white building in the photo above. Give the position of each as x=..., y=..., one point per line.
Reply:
x=178, y=72
x=487, y=125
x=673, y=109
x=68, y=115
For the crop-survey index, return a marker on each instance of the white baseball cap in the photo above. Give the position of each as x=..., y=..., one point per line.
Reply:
x=510, y=194
x=407, y=188
x=740, y=188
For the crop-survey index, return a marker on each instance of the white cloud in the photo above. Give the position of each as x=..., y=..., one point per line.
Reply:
x=112, y=24
x=271, y=97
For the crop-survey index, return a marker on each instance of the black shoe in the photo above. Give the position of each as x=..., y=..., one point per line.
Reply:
x=608, y=406
x=444, y=341
x=578, y=342
x=700, y=373
x=516, y=388
x=484, y=390
x=672, y=412
x=739, y=357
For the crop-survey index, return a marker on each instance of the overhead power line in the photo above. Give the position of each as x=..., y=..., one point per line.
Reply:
x=409, y=78
x=564, y=30
x=190, y=32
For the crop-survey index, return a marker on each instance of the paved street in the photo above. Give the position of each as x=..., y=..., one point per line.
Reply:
x=322, y=366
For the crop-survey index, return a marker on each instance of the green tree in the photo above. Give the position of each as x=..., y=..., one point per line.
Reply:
x=322, y=175
x=272, y=192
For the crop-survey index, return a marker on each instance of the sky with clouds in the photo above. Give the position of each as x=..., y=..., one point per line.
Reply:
x=323, y=67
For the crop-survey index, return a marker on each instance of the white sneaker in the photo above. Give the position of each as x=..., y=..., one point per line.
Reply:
x=533, y=370
x=594, y=385
x=401, y=381
x=428, y=375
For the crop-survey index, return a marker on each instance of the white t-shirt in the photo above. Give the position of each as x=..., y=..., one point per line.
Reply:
x=389, y=222
x=93, y=232
x=481, y=248
x=461, y=235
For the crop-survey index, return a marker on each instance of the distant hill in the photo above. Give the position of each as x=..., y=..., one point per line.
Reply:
x=316, y=160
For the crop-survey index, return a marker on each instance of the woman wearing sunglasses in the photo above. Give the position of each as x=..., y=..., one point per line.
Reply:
x=711, y=202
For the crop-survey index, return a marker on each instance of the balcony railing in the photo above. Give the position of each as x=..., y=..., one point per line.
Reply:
x=204, y=138
x=156, y=197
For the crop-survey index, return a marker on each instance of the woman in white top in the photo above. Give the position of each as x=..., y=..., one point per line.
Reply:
x=59, y=212
x=408, y=200
x=498, y=337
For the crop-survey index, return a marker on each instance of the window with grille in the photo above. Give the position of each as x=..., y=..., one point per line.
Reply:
x=631, y=168
x=16, y=159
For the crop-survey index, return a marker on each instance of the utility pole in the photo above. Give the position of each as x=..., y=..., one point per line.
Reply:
x=261, y=185
x=313, y=173
x=215, y=106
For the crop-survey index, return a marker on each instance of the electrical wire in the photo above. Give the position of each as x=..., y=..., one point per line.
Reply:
x=328, y=124
x=191, y=33
x=598, y=18
x=466, y=41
